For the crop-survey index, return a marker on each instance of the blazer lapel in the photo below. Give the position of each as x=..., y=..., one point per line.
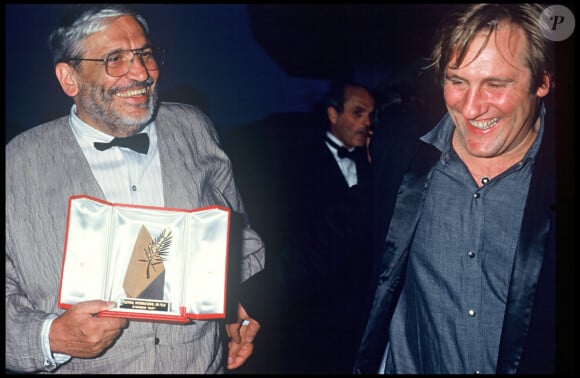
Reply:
x=528, y=258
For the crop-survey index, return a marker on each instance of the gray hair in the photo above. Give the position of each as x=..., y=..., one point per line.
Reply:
x=84, y=20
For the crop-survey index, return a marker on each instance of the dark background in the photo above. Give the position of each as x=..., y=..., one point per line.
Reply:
x=239, y=62
x=260, y=71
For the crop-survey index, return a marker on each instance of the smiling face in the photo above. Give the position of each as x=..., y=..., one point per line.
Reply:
x=120, y=106
x=489, y=97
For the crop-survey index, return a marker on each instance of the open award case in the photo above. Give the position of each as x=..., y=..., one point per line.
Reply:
x=157, y=264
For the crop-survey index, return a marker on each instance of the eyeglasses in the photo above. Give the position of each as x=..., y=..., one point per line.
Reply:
x=118, y=63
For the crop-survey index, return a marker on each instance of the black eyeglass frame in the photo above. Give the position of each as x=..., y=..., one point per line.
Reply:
x=157, y=53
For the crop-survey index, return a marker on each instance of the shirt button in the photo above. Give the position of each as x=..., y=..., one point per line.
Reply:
x=471, y=312
x=157, y=341
x=471, y=254
x=134, y=188
x=476, y=195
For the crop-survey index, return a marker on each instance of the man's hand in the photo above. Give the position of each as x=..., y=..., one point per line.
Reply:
x=79, y=332
x=241, y=334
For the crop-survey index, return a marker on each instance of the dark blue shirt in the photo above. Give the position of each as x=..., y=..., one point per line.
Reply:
x=449, y=317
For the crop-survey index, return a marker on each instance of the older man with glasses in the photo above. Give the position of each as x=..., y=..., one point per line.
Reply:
x=122, y=145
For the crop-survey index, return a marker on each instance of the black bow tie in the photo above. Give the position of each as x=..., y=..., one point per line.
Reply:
x=342, y=151
x=138, y=143
x=359, y=157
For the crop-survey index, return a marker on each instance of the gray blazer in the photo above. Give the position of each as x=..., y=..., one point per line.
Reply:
x=44, y=167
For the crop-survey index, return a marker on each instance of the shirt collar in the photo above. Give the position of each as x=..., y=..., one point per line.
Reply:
x=331, y=136
x=87, y=135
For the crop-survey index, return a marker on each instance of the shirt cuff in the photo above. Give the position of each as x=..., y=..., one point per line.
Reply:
x=51, y=361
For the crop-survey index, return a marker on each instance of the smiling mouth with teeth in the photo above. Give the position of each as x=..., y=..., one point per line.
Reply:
x=135, y=92
x=484, y=125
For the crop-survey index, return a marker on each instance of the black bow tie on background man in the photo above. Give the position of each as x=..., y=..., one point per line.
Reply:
x=138, y=143
x=358, y=155
x=343, y=152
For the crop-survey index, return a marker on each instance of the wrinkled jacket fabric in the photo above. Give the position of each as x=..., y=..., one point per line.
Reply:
x=44, y=167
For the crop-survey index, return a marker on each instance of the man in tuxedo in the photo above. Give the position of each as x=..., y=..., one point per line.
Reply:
x=318, y=283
